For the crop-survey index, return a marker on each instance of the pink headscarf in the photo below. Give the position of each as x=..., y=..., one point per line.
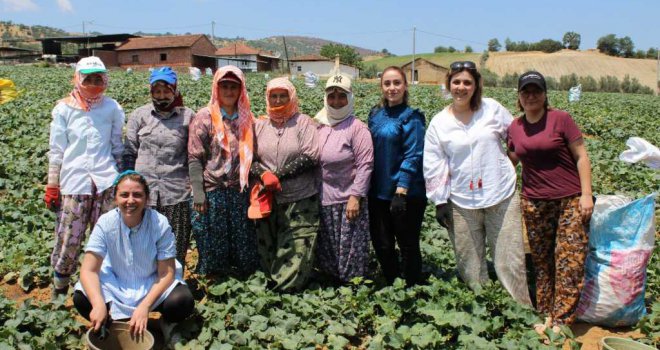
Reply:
x=245, y=122
x=283, y=113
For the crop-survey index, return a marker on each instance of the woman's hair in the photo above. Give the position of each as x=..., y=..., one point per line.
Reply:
x=133, y=176
x=475, y=101
x=383, y=101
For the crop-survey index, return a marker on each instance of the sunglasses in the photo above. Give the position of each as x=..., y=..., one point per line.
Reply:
x=460, y=65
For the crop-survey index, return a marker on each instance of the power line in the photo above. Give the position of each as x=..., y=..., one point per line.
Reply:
x=453, y=38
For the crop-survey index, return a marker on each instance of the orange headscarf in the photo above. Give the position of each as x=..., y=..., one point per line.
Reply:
x=283, y=113
x=85, y=96
x=245, y=120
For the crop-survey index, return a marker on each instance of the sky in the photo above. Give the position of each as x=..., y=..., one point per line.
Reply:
x=372, y=24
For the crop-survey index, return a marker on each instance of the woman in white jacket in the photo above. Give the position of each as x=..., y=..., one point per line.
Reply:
x=471, y=181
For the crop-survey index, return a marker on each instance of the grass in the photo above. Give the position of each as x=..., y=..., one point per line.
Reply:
x=443, y=59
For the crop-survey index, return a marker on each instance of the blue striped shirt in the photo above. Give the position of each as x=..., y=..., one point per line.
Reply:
x=130, y=259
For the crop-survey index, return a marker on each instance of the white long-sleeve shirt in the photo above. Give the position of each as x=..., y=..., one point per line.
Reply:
x=86, y=145
x=457, y=154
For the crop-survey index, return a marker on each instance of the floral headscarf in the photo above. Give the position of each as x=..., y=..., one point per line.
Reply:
x=283, y=113
x=245, y=120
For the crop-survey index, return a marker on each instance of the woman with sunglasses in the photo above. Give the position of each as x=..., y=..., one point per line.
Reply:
x=84, y=156
x=556, y=198
x=396, y=197
x=472, y=182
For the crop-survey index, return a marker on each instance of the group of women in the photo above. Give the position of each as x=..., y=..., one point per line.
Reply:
x=288, y=193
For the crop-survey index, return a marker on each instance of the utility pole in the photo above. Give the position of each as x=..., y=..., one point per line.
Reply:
x=412, y=73
x=213, y=32
x=658, y=70
x=286, y=54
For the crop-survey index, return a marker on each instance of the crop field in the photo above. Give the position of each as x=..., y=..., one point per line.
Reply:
x=244, y=314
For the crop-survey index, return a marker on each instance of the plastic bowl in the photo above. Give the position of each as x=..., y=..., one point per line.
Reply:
x=616, y=343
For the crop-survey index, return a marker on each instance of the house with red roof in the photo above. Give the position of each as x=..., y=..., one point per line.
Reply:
x=195, y=50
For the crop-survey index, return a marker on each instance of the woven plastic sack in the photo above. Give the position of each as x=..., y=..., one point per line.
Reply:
x=311, y=79
x=621, y=240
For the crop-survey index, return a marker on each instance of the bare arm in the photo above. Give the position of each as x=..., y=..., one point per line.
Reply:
x=579, y=152
x=89, y=278
x=514, y=158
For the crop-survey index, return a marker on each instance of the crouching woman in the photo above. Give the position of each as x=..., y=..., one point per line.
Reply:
x=129, y=267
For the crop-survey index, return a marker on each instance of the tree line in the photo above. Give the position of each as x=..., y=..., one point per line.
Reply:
x=603, y=84
x=608, y=44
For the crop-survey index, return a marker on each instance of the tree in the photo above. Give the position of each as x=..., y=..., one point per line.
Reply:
x=640, y=54
x=451, y=49
x=652, y=52
x=626, y=47
x=494, y=45
x=370, y=71
x=386, y=53
x=439, y=49
x=608, y=45
x=347, y=54
x=547, y=45
x=468, y=49
x=509, y=45
x=571, y=40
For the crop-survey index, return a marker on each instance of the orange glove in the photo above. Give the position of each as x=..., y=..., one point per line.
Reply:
x=52, y=197
x=271, y=182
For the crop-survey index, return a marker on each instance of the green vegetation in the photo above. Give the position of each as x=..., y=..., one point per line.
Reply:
x=443, y=59
x=231, y=313
x=347, y=54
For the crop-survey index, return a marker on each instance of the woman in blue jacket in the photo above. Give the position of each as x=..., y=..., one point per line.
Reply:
x=397, y=197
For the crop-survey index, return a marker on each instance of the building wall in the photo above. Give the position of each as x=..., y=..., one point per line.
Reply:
x=426, y=72
x=321, y=68
x=109, y=58
x=152, y=57
x=247, y=63
x=203, y=47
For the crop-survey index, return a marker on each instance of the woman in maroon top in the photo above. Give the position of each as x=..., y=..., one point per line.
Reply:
x=556, y=198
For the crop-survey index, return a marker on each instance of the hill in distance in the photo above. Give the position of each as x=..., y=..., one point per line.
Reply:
x=20, y=35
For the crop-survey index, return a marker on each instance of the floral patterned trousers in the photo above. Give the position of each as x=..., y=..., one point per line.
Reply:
x=75, y=215
x=559, y=243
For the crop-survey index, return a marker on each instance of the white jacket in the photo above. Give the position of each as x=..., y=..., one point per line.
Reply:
x=456, y=154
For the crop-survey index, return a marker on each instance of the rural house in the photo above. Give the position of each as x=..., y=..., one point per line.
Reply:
x=247, y=58
x=426, y=72
x=175, y=51
x=319, y=65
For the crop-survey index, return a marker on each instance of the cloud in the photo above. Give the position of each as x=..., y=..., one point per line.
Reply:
x=18, y=5
x=65, y=5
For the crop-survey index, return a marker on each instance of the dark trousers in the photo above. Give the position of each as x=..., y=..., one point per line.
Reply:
x=175, y=308
x=388, y=230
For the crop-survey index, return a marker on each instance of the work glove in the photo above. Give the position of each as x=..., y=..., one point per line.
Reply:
x=398, y=204
x=443, y=214
x=271, y=182
x=52, y=197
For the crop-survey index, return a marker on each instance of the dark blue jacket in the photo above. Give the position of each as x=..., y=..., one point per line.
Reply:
x=398, y=137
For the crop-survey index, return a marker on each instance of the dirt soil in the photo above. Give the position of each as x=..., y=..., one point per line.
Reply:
x=590, y=335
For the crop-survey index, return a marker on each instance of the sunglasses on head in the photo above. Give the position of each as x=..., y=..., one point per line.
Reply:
x=462, y=65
